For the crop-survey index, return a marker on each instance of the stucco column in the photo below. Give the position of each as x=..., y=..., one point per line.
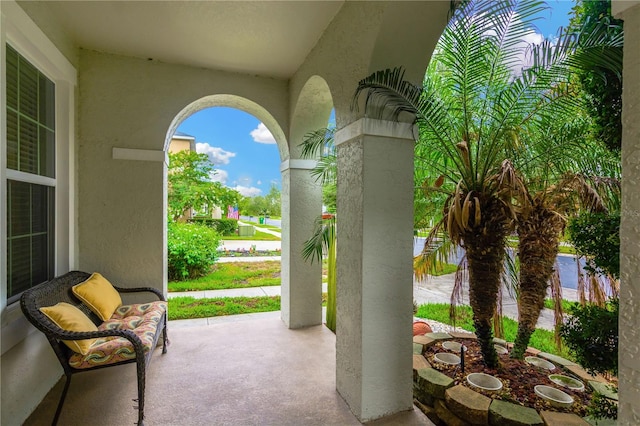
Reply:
x=629, y=334
x=374, y=265
x=301, y=303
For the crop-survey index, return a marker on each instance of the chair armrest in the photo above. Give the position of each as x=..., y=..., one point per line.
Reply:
x=141, y=290
x=81, y=335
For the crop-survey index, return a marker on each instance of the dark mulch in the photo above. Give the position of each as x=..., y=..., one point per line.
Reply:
x=518, y=379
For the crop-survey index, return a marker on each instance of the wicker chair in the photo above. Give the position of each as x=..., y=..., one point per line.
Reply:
x=59, y=290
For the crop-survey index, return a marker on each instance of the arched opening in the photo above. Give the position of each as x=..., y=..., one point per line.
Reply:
x=302, y=192
x=234, y=140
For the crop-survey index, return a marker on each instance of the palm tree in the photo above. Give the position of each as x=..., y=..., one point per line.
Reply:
x=323, y=240
x=476, y=102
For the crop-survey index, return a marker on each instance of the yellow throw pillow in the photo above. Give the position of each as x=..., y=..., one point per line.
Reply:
x=70, y=318
x=99, y=295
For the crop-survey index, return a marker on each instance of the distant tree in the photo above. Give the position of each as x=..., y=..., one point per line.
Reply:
x=272, y=200
x=191, y=187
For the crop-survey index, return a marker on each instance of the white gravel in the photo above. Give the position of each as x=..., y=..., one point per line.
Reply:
x=439, y=327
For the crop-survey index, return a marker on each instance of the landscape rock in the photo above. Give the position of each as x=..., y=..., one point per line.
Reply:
x=468, y=404
x=502, y=413
x=554, y=418
x=556, y=359
x=433, y=382
x=462, y=335
x=439, y=336
x=447, y=416
x=603, y=389
x=584, y=375
x=420, y=362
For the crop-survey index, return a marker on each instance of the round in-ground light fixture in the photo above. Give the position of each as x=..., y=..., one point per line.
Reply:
x=484, y=381
x=447, y=358
x=501, y=349
x=567, y=382
x=555, y=396
x=539, y=362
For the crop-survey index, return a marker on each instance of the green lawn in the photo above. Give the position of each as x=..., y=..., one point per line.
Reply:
x=189, y=307
x=566, y=304
x=566, y=249
x=233, y=275
x=272, y=227
x=541, y=339
x=444, y=269
x=258, y=236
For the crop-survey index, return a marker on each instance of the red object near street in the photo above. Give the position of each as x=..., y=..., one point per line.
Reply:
x=420, y=328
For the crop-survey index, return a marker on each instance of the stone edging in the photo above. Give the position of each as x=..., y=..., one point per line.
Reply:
x=444, y=403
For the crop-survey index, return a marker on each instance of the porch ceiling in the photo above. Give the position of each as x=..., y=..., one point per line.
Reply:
x=270, y=38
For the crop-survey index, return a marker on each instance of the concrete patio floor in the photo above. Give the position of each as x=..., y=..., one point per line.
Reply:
x=241, y=370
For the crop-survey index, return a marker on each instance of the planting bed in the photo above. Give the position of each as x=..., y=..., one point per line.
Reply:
x=445, y=395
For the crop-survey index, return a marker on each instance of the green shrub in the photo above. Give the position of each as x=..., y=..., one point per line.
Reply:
x=602, y=407
x=597, y=237
x=591, y=335
x=223, y=226
x=192, y=250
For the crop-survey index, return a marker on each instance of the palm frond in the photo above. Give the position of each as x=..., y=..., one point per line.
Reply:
x=320, y=241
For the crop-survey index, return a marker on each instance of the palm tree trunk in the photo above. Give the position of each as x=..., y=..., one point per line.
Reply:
x=485, y=249
x=485, y=267
x=538, y=248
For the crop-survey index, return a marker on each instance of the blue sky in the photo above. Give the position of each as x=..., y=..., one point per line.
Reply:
x=246, y=155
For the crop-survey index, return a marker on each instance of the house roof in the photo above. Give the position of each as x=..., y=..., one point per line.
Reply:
x=268, y=38
x=182, y=135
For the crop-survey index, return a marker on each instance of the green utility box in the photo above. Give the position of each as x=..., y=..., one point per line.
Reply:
x=261, y=220
x=246, y=230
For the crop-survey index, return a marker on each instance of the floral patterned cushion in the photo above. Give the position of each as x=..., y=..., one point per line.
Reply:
x=142, y=319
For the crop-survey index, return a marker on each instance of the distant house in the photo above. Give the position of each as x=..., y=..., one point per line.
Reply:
x=183, y=142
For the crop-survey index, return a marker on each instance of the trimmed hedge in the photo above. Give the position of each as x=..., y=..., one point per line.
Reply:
x=223, y=226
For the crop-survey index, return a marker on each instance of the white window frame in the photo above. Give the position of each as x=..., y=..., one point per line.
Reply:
x=17, y=29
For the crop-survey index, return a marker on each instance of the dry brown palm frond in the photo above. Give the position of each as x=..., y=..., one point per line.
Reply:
x=461, y=276
x=511, y=184
x=498, y=325
x=428, y=190
x=456, y=206
x=463, y=148
x=614, y=285
x=433, y=253
x=572, y=189
x=556, y=296
x=597, y=295
x=581, y=284
x=477, y=212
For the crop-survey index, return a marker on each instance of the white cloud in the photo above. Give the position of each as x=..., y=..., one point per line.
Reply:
x=248, y=191
x=259, y=182
x=262, y=135
x=525, y=57
x=219, y=176
x=216, y=155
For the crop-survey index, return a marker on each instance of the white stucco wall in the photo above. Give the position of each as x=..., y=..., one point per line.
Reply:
x=629, y=351
x=28, y=366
